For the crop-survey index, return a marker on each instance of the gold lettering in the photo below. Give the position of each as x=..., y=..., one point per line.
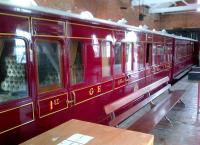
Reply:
x=51, y=105
x=91, y=91
x=120, y=81
x=99, y=89
x=56, y=102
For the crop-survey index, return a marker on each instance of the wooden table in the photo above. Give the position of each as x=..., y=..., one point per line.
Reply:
x=103, y=135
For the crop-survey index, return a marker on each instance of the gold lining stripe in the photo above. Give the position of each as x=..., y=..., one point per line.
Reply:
x=112, y=90
x=39, y=35
x=180, y=62
x=134, y=72
x=53, y=97
x=95, y=27
x=85, y=38
x=16, y=107
x=45, y=19
x=120, y=77
x=135, y=81
x=17, y=126
x=184, y=56
x=13, y=34
x=162, y=70
x=29, y=25
x=120, y=87
x=94, y=97
x=53, y=111
x=14, y=15
x=33, y=116
x=93, y=85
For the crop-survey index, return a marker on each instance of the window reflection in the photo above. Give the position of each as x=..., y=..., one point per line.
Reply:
x=138, y=56
x=76, y=61
x=13, y=81
x=128, y=56
x=48, y=59
x=118, y=58
x=106, y=48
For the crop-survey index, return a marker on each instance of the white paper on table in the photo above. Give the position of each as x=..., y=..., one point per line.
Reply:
x=76, y=139
x=80, y=138
x=67, y=142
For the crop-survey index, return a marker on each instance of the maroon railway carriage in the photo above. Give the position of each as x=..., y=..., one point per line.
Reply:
x=55, y=66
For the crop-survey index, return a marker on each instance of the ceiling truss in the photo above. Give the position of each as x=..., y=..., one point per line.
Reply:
x=167, y=6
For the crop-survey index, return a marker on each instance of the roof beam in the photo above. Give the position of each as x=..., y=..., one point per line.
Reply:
x=184, y=2
x=175, y=9
x=152, y=2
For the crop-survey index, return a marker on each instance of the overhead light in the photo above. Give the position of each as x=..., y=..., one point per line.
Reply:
x=24, y=3
x=86, y=15
x=198, y=2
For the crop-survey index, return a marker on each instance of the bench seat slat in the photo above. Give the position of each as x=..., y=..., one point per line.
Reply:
x=129, y=98
x=137, y=107
x=146, y=123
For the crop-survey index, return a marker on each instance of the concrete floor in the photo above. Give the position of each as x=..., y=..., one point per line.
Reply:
x=185, y=127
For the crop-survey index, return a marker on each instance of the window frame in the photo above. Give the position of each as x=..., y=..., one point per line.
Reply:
x=122, y=58
x=27, y=69
x=132, y=56
x=111, y=73
x=54, y=87
x=142, y=46
x=79, y=84
x=149, y=47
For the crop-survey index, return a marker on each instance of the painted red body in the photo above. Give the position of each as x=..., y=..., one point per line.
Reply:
x=24, y=118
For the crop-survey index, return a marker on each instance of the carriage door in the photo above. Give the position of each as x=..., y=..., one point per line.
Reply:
x=49, y=64
x=16, y=104
x=118, y=64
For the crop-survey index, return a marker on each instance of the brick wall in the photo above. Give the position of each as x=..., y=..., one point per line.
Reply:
x=110, y=9
x=105, y=9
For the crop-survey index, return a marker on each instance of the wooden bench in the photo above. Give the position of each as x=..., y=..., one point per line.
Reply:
x=111, y=108
x=154, y=116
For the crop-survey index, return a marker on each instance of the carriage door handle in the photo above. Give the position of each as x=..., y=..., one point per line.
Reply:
x=73, y=99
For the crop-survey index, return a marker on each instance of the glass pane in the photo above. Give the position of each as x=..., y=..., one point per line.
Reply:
x=118, y=58
x=13, y=81
x=48, y=57
x=128, y=56
x=76, y=62
x=138, y=56
x=105, y=58
x=154, y=54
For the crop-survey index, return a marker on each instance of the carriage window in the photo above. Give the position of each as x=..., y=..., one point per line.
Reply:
x=118, y=58
x=138, y=56
x=154, y=54
x=13, y=80
x=49, y=65
x=76, y=62
x=129, y=56
x=148, y=52
x=105, y=51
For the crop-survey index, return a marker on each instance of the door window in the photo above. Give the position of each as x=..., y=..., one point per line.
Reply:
x=13, y=79
x=49, y=65
x=76, y=62
x=129, y=51
x=118, y=58
x=105, y=52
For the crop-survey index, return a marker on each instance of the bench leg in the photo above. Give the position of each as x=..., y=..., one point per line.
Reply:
x=169, y=91
x=181, y=103
x=152, y=104
x=168, y=120
x=112, y=115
